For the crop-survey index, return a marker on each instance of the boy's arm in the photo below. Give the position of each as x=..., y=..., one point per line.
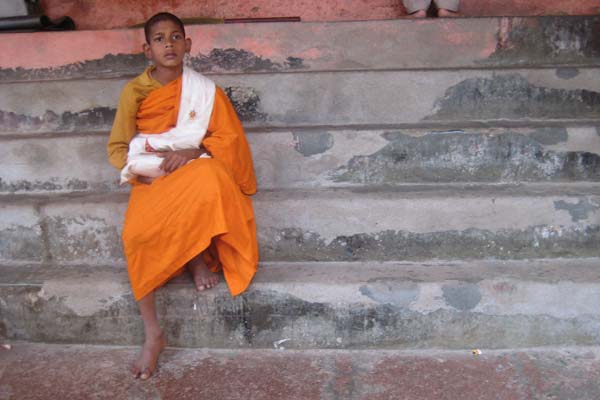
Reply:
x=226, y=141
x=123, y=129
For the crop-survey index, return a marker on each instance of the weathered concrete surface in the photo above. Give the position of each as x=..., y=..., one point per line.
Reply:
x=35, y=371
x=485, y=304
x=455, y=43
x=403, y=223
x=326, y=158
x=399, y=225
x=398, y=98
x=59, y=164
x=455, y=156
x=102, y=15
x=22, y=234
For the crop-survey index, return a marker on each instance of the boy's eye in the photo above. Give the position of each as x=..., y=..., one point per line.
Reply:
x=176, y=36
x=158, y=39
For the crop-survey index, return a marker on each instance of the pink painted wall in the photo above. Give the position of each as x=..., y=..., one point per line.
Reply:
x=108, y=14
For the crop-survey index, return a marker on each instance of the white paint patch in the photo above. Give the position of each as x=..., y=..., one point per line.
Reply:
x=580, y=139
x=18, y=215
x=430, y=299
x=506, y=297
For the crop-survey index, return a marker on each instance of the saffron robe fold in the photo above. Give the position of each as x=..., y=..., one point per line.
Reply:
x=191, y=98
x=201, y=208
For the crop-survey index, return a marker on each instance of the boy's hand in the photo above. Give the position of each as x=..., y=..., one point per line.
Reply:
x=177, y=158
x=146, y=180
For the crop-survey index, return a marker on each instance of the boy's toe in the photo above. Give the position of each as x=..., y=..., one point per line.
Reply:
x=146, y=374
x=135, y=370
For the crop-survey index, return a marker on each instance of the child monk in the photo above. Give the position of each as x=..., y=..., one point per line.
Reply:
x=198, y=215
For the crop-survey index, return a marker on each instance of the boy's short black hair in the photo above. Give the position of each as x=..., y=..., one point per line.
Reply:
x=163, y=16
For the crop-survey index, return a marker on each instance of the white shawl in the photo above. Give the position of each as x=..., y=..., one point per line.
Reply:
x=195, y=109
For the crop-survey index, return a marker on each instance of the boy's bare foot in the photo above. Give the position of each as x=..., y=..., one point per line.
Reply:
x=418, y=14
x=145, y=365
x=443, y=13
x=202, y=276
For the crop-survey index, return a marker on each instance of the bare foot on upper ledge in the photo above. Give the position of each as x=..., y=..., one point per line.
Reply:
x=202, y=276
x=443, y=13
x=418, y=14
x=145, y=365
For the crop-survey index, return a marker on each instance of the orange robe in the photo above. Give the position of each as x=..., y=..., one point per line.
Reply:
x=202, y=207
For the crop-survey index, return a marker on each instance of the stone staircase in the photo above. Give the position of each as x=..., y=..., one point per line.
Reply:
x=423, y=184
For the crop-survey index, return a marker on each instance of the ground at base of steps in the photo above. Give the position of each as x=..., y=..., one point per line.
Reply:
x=50, y=371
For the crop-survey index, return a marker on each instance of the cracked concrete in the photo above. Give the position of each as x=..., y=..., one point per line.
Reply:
x=492, y=304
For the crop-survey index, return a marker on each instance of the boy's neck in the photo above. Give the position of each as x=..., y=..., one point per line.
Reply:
x=166, y=75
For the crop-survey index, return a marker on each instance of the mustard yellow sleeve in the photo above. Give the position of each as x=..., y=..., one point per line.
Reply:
x=123, y=129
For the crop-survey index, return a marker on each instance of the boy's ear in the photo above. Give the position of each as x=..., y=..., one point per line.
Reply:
x=188, y=45
x=146, y=49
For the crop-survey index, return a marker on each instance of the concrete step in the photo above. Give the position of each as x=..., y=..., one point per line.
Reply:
x=450, y=305
x=36, y=371
x=101, y=15
x=566, y=42
x=385, y=223
x=456, y=98
x=300, y=158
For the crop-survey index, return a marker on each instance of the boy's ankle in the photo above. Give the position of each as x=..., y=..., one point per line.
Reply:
x=154, y=336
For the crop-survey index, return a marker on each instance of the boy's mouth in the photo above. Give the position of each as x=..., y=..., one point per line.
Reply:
x=170, y=56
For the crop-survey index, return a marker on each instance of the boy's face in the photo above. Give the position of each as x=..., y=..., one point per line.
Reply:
x=167, y=45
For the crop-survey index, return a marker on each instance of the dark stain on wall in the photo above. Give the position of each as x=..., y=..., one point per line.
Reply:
x=580, y=210
x=246, y=102
x=511, y=96
x=239, y=60
x=459, y=157
x=462, y=296
x=111, y=65
x=312, y=143
x=294, y=244
x=547, y=40
x=98, y=118
x=276, y=315
x=567, y=73
x=51, y=185
x=123, y=65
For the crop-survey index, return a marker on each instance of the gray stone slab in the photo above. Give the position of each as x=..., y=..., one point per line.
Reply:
x=58, y=164
x=409, y=305
x=82, y=231
x=568, y=42
x=397, y=98
x=22, y=234
x=405, y=223
x=326, y=158
x=331, y=158
x=344, y=225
